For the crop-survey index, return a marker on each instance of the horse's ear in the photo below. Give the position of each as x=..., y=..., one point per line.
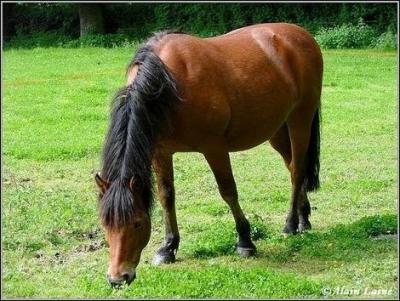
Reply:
x=103, y=184
x=133, y=184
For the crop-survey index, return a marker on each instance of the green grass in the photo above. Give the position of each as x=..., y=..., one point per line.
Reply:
x=55, y=114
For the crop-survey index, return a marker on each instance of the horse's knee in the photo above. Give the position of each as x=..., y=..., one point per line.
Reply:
x=228, y=192
x=297, y=174
x=167, y=196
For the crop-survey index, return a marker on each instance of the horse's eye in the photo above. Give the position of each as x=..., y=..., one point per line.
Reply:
x=137, y=225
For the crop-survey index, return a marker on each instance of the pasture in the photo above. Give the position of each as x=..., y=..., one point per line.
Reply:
x=54, y=118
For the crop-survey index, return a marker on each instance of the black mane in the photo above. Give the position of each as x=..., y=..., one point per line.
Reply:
x=139, y=113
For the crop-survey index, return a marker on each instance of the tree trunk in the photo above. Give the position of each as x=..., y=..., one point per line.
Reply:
x=91, y=18
x=8, y=20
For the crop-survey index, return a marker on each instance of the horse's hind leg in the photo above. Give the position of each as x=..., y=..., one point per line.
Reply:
x=163, y=167
x=299, y=126
x=281, y=143
x=221, y=167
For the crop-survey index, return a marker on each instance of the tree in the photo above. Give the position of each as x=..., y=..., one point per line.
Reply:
x=8, y=20
x=91, y=18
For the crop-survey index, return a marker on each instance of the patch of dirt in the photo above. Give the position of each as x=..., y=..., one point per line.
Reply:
x=91, y=241
x=38, y=254
x=13, y=180
x=61, y=258
x=91, y=234
x=56, y=258
x=94, y=246
x=388, y=236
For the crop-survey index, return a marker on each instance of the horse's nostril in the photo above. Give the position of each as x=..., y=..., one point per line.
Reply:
x=128, y=277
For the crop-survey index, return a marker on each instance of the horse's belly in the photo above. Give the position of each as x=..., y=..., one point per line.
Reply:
x=249, y=140
x=254, y=129
x=243, y=127
x=256, y=117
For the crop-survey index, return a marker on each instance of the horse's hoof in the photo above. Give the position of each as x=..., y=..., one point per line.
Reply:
x=163, y=258
x=246, y=252
x=289, y=230
x=304, y=227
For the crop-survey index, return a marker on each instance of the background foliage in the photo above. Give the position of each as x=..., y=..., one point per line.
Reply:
x=338, y=25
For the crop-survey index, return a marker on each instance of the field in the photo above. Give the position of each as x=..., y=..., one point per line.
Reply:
x=54, y=118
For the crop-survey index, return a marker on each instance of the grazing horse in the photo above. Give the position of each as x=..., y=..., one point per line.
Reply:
x=214, y=96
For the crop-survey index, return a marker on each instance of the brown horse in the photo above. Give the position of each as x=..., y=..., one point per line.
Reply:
x=213, y=96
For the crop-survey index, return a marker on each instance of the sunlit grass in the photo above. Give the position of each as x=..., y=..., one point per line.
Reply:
x=55, y=113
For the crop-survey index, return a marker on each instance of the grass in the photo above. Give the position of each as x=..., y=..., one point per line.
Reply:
x=55, y=112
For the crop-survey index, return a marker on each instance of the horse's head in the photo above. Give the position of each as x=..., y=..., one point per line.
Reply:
x=127, y=227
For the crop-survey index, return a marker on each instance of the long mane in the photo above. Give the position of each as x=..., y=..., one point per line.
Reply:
x=139, y=113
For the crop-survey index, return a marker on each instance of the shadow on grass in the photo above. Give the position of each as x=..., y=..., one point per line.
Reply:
x=343, y=243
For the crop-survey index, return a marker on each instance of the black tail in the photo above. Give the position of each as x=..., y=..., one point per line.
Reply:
x=312, y=168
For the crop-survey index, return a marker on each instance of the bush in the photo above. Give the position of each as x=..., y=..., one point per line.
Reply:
x=99, y=40
x=204, y=19
x=386, y=41
x=346, y=36
x=38, y=39
x=56, y=39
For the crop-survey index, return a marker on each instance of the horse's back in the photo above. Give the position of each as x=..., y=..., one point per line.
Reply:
x=241, y=86
x=284, y=47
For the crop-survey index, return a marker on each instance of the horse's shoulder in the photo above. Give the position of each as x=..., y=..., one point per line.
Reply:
x=175, y=43
x=183, y=54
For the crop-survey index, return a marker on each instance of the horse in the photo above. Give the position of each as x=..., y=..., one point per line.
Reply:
x=213, y=96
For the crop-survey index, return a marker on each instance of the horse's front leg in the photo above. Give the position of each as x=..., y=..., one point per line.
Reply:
x=221, y=167
x=163, y=167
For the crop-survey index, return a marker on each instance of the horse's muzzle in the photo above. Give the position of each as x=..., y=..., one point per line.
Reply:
x=126, y=277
